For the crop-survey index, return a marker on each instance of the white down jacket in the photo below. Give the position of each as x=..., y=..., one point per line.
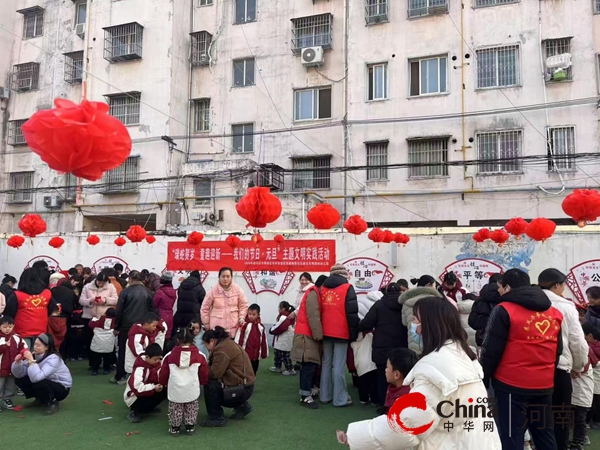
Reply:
x=464, y=308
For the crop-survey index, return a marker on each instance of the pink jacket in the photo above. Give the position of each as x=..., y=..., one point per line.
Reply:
x=90, y=292
x=224, y=308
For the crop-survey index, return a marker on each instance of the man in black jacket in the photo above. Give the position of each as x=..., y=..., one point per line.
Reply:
x=489, y=297
x=190, y=296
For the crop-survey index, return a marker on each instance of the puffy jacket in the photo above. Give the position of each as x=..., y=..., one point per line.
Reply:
x=190, y=296
x=11, y=300
x=283, y=332
x=108, y=293
x=307, y=344
x=64, y=295
x=230, y=364
x=464, y=309
x=183, y=370
x=407, y=301
x=252, y=338
x=489, y=297
x=10, y=346
x=153, y=282
x=32, y=316
x=593, y=316
x=595, y=347
x=164, y=300
x=104, y=339
x=224, y=308
x=137, y=341
x=350, y=310
x=583, y=386
x=362, y=352
x=134, y=303
x=447, y=375
x=142, y=381
x=52, y=368
x=457, y=293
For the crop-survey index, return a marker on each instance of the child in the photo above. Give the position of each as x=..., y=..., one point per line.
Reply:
x=10, y=346
x=198, y=332
x=143, y=392
x=102, y=349
x=140, y=336
x=283, y=332
x=593, y=340
x=252, y=338
x=184, y=369
x=582, y=312
x=160, y=333
x=366, y=369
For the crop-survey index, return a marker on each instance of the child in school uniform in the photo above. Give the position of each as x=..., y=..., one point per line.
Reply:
x=10, y=346
x=140, y=336
x=160, y=333
x=102, y=348
x=283, y=332
x=183, y=371
x=252, y=338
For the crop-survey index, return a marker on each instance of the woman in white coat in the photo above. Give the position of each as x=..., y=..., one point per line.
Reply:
x=447, y=373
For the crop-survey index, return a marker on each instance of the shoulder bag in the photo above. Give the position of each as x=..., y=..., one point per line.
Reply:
x=232, y=394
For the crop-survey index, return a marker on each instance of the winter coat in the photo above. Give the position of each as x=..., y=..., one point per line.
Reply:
x=32, y=314
x=164, y=299
x=11, y=303
x=142, y=381
x=595, y=347
x=230, y=364
x=224, y=308
x=456, y=294
x=190, y=296
x=350, y=309
x=57, y=327
x=118, y=286
x=153, y=282
x=108, y=293
x=446, y=375
x=184, y=369
x=160, y=334
x=575, y=348
x=306, y=348
x=489, y=297
x=104, y=338
x=134, y=303
x=137, y=341
x=300, y=296
x=65, y=296
x=2, y=303
x=283, y=332
x=362, y=349
x=408, y=300
x=583, y=386
x=366, y=302
x=464, y=309
x=593, y=316
x=199, y=343
x=385, y=317
x=252, y=338
x=52, y=368
x=10, y=346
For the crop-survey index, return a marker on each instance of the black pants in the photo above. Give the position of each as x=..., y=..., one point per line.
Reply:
x=122, y=344
x=213, y=398
x=368, y=388
x=88, y=335
x=145, y=405
x=594, y=413
x=579, y=430
x=76, y=341
x=255, y=365
x=44, y=391
x=382, y=384
x=307, y=373
x=561, y=406
x=106, y=359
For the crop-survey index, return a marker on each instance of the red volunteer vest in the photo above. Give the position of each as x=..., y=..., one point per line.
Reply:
x=302, y=325
x=333, y=312
x=529, y=358
x=32, y=315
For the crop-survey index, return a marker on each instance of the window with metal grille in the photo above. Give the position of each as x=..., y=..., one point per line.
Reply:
x=245, y=11
x=376, y=11
x=311, y=104
x=21, y=186
x=15, y=132
x=378, y=81
x=377, y=155
x=500, y=152
x=243, y=137
x=561, y=148
x=203, y=189
x=200, y=45
x=429, y=157
x=125, y=107
x=481, y=3
x=73, y=67
x=428, y=76
x=202, y=115
x=498, y=67
x=206, y=2
x=243, y=72
x=558, y=69
x=596, y=6
x=71, y=186
x=271, y=176
x=33, y=22
x=124, y=178
x=319, y=177
x=123, y=42
x=26, y=77
x=312, y=31
x=418, y=8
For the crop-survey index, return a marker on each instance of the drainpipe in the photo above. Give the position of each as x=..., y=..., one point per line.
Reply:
x=86, y=78
x=464, y=146
x=346, y=106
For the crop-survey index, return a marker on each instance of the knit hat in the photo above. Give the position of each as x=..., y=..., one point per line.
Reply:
x=167, y=276
x=339, y=269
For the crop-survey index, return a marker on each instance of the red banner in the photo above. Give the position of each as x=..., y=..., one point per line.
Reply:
x=293, y=256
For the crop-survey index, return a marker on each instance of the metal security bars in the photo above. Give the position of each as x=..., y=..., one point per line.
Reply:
x=319, y=178
x=125, y=107
x=33, y=22
x=200, y=44
x=272, y=176
x=377, y=155
x=500, y=152
x=123, y=42
x=498, y=67
x=21, y=183
x=419, y=8
x=556, y=47
x=376, y=11
x=71, y=186
x=25, y=77
x=15, y=132
x=123, y=179
x=243, y=138
x=432, y=153
x=201, y=115
x=73, y=67
x=203, y=189
x=482, y=3
x=561, y=146
x=312, y=31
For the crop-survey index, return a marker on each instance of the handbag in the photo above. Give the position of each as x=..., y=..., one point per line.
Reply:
x=232, y=394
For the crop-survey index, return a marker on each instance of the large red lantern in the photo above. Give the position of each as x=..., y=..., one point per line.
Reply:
x=150, y=239
x=279, y=239
x=257, y=238
x=400, y=238
x=233, y=241
x=516, y=226
x=479, y=238
x=500, y=237
x=15, y=241
x=485, y=233
x=388, y=237
x=376, y=235
x=136, y=233
x=583, y=205
x=540, y=229
x=120, y=242
x=56, y=242
x=195, y=238
x=259, y=207
x=355, y=225
x=323, y=216
x=31, y=225
x=80, y=139
x=93, y=239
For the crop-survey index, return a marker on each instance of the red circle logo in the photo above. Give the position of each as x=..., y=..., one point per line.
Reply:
x=410, y=400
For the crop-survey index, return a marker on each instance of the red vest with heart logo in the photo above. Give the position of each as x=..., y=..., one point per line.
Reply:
x=32, y=315
x=529, y=357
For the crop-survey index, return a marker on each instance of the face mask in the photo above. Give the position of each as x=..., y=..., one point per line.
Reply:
x=416, y=336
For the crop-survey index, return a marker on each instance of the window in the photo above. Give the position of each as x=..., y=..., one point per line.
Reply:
x=376, y=11
x=500, y=152
x=429, y=156
x=317, y=177
x=243, y=138
x=428, y=76
x=378, y=81
x=202, y=189
x=498, y=67
x=243, y=72
x=26, y=77
x=418, y=8
x=15, y=132
x=125, y=107
x=124, y=178
x=271, y=176
x=201, y=115
x=312, y=31
x=561, y=145
x=377, y=155
x=596, y=6
x=558, y=59
x=123, y=42
x=80, y=13
x=71, y=186
x=200, y=45
x=206, y=2
x=21, y=183
x=74, y=67
x=494, y=2
x=245, y=11
x=310, y=104
x=33, y=22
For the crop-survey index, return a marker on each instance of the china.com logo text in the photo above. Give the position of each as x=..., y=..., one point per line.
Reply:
x=481, y=407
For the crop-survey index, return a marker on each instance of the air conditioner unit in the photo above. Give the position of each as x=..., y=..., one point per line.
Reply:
x=439, y=9
x=53, y=201
x=4, y=93
x=80, y=30
x=559, y=61
x=312, y=56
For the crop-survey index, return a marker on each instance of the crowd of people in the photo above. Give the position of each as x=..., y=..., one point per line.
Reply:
x=521, y=352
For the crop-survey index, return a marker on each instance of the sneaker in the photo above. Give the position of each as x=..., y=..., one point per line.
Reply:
x=52, y=408
x=527, y=446
x=288, y=373
x=586, y=441
x=8, y=404
x=575, y=446
x=309, y=402
x=314, y=392
x=20, y=392
x=133, y=417
x=365, y=403
x=242, y=411
x=189, y=429
x=587, y=426
x=276, y=369
x=174, y=431
x=348, y=403
x=214, y=423
x=94, y=373
x=122, y=382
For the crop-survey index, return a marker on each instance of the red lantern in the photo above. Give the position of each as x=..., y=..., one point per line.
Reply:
x=136, y=233
x=195, y=238
x=15, y=241
x=80, y=139
x=259, y=207
x=499, y=237
x=485, y=233
x=120, y=242
x=583, y=205
x=355, y=225
x=233, y=241
x=150, y=239
x=279, y=239
x=31, y=225
x=400, y=238
x=323, y=216
x=56, y=242
x=93, y=239
x=516, y=226
x=257, y=239
x=376, y=235
x=540, y=229
x=478, y=237
x=388, y=236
